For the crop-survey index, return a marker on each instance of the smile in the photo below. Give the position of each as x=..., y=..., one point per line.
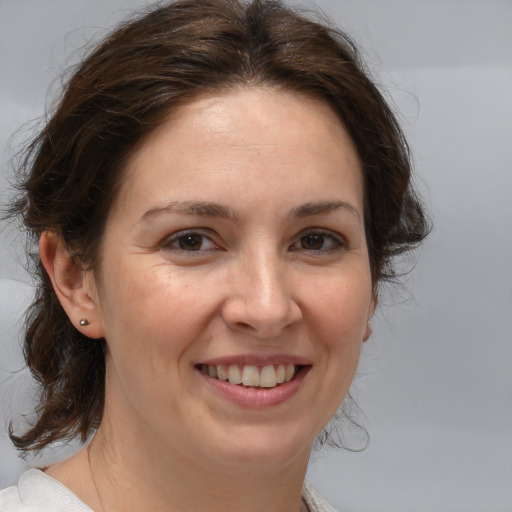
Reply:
x=268, y=376
x=253, y=381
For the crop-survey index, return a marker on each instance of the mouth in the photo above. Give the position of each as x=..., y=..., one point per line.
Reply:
x=255, y=382
x=251, y=376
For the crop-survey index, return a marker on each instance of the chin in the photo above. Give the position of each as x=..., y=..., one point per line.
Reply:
x=264, y=448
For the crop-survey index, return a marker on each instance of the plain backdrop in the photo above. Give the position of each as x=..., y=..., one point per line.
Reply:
x=435, y=380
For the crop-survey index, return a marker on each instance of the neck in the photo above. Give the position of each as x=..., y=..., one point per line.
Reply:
x=132, y=472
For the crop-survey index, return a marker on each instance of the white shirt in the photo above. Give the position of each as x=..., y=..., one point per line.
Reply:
x=38, y=492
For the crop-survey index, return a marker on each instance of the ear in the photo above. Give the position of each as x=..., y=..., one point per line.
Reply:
x=74, y=286
x=371, y=311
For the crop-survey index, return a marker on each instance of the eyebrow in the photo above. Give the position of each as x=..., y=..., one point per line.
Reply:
x=216, y=210
x=196, y=208
x=324, y=208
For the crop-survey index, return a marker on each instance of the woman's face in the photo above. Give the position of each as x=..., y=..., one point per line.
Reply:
x=236, y=250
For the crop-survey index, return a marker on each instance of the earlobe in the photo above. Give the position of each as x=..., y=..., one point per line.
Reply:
x=371, y=311
x=368, y=331
x=73, y=285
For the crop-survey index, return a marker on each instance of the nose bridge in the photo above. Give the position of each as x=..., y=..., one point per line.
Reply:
x=261, y=299
x=269, y=289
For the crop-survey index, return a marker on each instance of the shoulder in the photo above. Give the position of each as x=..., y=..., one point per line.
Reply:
x=37, y=492
x=313, y=500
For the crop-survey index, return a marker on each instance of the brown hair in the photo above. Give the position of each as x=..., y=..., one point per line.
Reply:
x=120, y=93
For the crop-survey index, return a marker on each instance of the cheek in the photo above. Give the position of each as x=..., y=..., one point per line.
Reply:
x=341, y=308
x=154, y=312
x=148, y=327
x=340, y=318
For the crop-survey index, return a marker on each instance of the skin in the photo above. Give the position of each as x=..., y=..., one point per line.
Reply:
x=265, y=274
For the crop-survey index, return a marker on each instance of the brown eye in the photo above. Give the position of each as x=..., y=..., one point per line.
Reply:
x=317, y=242
x=190, y=242
x=312, y=242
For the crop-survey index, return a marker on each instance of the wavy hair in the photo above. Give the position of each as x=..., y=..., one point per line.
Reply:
x=121, y=92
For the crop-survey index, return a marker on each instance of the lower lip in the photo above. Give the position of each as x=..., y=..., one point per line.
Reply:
x=256, y=397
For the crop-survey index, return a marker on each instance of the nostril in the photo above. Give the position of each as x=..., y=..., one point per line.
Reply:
x=243, y=325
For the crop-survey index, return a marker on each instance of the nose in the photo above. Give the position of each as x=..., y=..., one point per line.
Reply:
x=260, y=301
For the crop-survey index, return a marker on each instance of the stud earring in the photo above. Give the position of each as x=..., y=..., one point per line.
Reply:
x=83, y=322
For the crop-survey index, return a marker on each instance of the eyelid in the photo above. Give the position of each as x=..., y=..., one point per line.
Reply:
x=166, y=243
x=340, y=241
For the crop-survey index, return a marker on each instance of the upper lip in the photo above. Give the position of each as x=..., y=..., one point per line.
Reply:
x=257, y=360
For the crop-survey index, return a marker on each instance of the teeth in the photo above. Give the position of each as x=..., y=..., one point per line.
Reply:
x=267, y=377
x=250, y=376
x=289, y=372
x=281, y=372
x=222, y=374
x=234, y=375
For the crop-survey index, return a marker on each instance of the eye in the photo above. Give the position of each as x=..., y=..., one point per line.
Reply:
x=189, y=241
x=313, y=242
x=318, y=241
x=192, y=242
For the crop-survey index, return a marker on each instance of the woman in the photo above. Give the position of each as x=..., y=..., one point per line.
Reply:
x=216, y=199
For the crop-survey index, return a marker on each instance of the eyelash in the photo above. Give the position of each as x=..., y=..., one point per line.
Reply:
x=171, y=243
x=336, y=242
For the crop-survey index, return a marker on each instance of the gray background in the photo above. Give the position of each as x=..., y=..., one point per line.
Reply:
x=435, y=379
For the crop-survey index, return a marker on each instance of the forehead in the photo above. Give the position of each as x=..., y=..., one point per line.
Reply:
x=246, y=137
